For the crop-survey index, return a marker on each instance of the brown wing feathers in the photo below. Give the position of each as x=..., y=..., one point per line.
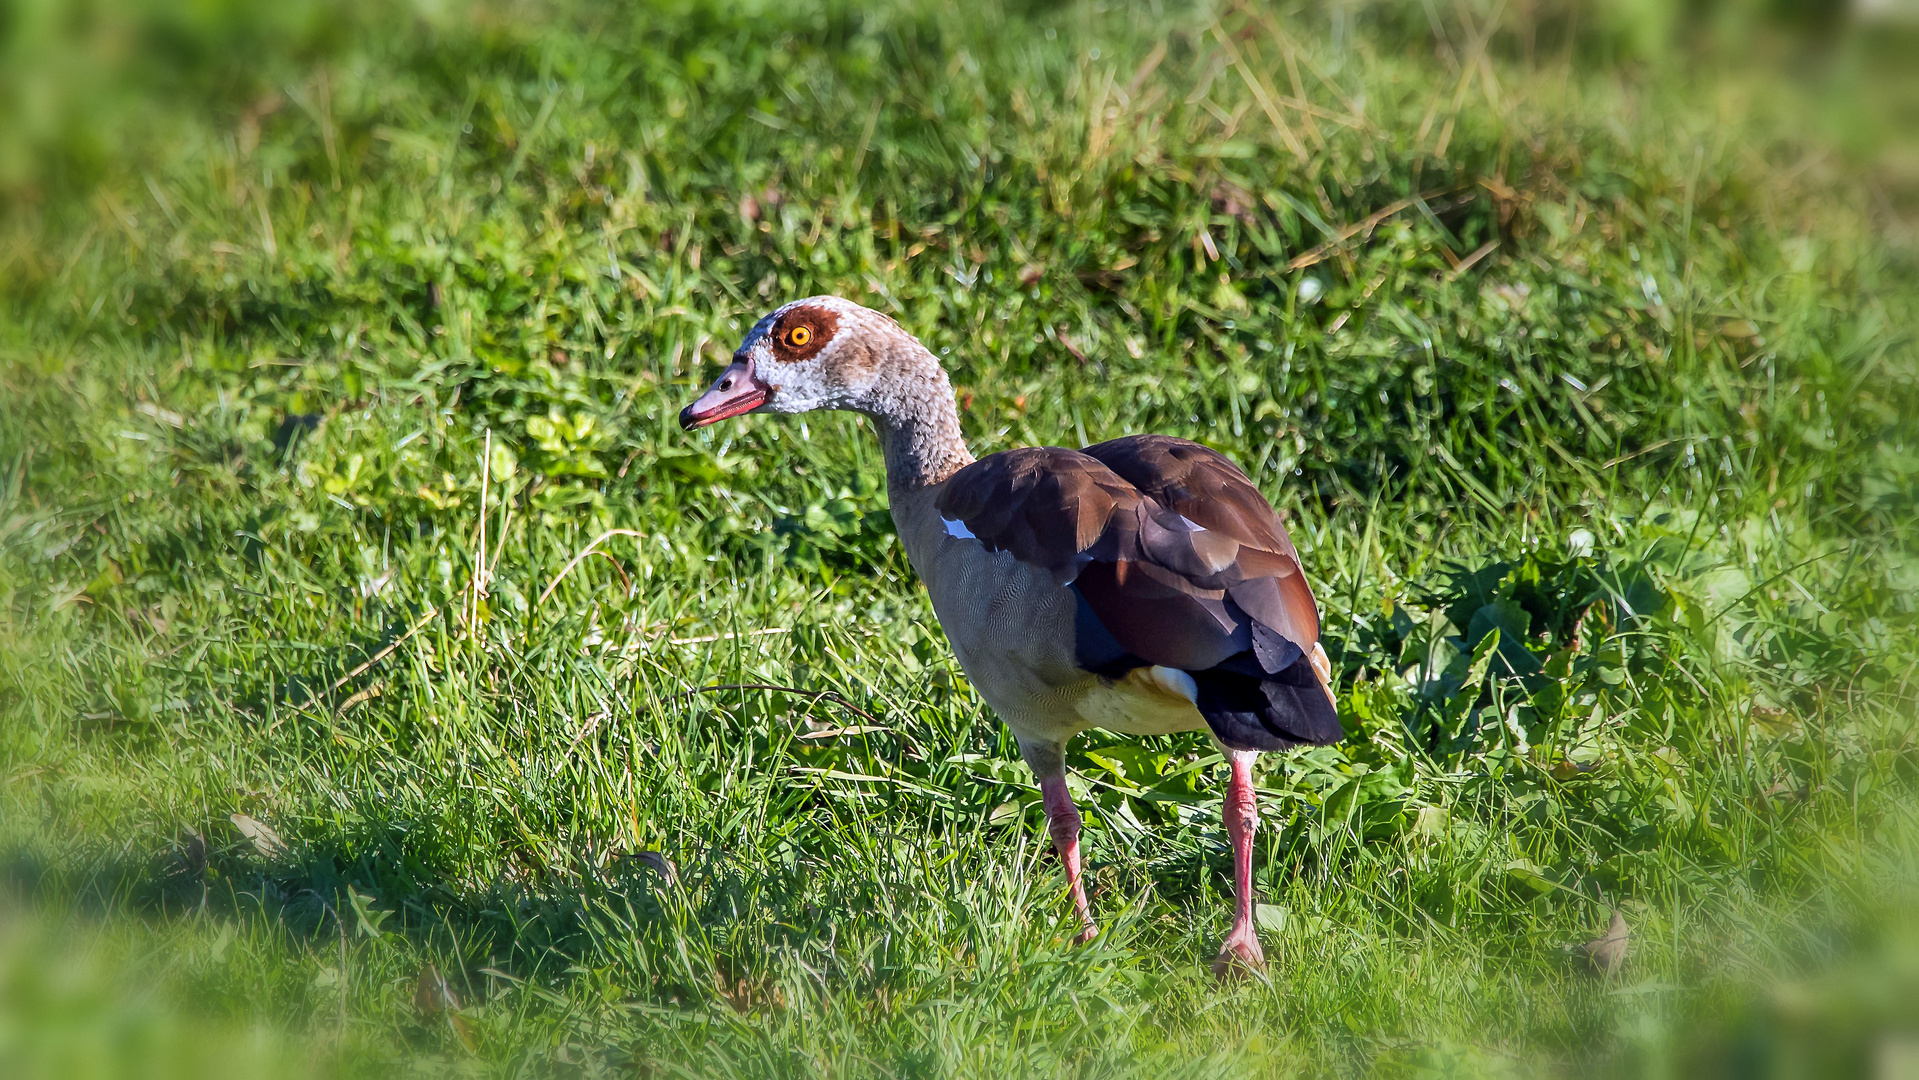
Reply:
x=1175, y=559
x=1204, y=487
x=1050, y=507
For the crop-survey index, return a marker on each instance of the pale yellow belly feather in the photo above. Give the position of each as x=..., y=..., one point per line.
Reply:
x=1147, y=701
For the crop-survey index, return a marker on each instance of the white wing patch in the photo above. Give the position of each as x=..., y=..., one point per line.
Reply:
x=957, y=529
x=1191, y=525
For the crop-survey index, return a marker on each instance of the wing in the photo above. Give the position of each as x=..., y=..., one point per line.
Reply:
x=1203, y=486
x=1157, y=586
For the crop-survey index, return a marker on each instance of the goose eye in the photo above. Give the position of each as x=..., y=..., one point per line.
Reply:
x=799, y=335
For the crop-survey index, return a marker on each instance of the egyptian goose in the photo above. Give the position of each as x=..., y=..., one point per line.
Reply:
x=1142, y=585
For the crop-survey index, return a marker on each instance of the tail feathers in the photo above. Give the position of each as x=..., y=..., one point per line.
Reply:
x=1270, y=696
x=1250, y=706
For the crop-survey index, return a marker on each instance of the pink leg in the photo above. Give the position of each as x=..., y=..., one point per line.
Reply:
x=1062, y=820
x=1241, y=948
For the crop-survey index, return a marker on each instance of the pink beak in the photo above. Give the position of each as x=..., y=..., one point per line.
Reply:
x=737, y=391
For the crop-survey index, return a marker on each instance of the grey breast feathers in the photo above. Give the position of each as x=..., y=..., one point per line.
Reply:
x=1175, y=559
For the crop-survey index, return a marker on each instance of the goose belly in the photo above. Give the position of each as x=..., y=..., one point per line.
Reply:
x=1010, y=626
x=1012, y=629
x=1146, y=701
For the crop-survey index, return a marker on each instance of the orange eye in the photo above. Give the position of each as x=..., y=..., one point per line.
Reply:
x=799, y=335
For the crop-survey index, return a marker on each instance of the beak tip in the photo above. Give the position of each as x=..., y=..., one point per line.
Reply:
x=736, y=394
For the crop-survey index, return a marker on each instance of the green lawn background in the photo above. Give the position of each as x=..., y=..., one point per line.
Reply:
x=359, y=586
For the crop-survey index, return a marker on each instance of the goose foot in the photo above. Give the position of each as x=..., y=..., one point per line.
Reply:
x=1240, y=954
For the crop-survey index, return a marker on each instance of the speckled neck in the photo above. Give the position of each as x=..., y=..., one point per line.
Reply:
x=913, y=407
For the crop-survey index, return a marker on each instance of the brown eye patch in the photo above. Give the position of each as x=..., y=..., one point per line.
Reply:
x=802, y=332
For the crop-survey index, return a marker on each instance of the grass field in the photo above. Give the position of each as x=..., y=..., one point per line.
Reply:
x=359, y=593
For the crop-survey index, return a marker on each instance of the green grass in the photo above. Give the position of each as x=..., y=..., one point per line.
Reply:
x=1591, y=402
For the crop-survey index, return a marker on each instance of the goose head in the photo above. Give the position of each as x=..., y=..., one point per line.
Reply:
x=822, y=352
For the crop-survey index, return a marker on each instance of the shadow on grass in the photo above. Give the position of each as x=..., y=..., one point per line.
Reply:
x=678, y=933
x=535, y=926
